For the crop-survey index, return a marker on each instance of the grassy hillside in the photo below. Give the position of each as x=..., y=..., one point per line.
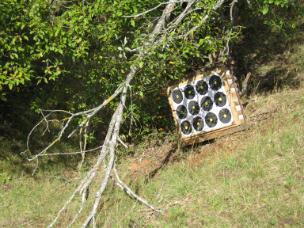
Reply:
x=252, y=178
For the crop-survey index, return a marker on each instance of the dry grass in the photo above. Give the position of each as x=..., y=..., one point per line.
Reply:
x=252, y=178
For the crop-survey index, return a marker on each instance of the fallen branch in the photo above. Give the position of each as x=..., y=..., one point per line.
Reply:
x=111, y=138
x=132, y=194
x=107, y=149
x=154, y=8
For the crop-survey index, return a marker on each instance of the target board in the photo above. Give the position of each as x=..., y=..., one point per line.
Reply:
x=206, y=106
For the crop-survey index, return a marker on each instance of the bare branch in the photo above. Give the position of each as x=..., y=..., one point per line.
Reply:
x=83, y=144
x=232, y=4
x=101, y=189
x=132, y=194
x=108, y=147
x=181, y=16
x=71, y=153
x=88, y=114
x=154, y=8
x=218, y=4
x=162, y=20
x=32, y=130
x=56, y=111
x=57, y=139
x=122, y=143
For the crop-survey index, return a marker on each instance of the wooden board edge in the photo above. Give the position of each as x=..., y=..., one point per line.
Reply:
x=214, y=134
x=196, y=77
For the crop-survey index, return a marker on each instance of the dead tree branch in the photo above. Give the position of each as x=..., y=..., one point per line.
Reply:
x=132, y=194
x=154, y=8
x=218, y=4
x=108, y=146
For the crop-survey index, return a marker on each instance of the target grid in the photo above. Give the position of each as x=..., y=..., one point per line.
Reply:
x=201, y=106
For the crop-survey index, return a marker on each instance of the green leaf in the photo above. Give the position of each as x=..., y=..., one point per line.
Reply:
x=265, y=10
x=141, y=64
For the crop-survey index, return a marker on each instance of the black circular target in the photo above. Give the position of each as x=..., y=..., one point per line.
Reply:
x=181, y=111
x=193, y=107
x=201, y=87
x=186, y=127
x=198, y=123
x=206, y=103
x=211, y=119
x=177, y=96
x=225, y=115
x=215, y=82
x=189, y=92
x=220, y=99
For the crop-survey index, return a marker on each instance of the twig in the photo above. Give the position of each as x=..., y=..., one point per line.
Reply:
x=132, y=194
x=83, y=145
x=232, y=4
x=71, y=153
x=218, y=4
x=101, y=189
x=245, y=83
x=154, y=8
x=122, y=143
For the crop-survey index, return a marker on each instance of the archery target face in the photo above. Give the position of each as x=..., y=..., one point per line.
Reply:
x=201, y=106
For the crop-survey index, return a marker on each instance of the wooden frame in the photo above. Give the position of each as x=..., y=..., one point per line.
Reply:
x=233, y=97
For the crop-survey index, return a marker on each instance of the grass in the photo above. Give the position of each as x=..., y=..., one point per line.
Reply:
x=251, y=179
x=254, y=178
x=257, y=183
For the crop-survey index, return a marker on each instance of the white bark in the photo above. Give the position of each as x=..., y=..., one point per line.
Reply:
x=108, y=147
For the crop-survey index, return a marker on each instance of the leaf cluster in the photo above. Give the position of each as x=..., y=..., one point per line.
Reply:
x=73, y=54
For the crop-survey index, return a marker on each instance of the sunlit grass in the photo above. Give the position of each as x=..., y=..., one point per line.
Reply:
x=254, y=178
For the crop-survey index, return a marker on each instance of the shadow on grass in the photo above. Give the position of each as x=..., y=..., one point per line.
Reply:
x=13, y=163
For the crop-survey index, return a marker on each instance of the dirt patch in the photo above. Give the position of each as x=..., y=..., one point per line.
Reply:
x=6, y=187
x=148, y=160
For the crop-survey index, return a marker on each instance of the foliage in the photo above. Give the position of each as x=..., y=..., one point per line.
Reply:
x=279, y=14
x=73, y=54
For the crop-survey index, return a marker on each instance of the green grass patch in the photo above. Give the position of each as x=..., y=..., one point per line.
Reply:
x=258, y=182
